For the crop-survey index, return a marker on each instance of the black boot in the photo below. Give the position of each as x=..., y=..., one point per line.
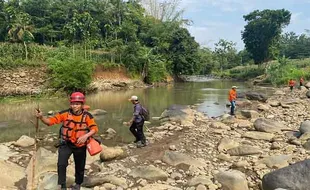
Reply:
x=76, y=187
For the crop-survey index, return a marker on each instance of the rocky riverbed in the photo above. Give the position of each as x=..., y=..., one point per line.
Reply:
x=187, y=151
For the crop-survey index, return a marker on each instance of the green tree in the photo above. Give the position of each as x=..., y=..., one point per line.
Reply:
x=226, y=54
x=207, y=60
x=262, y=32
x=3, y=21
x=294, y=46
x=20, y=31
x=245, y=57
x=184, y=53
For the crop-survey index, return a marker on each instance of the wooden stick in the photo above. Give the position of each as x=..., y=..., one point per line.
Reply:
x=35, y=149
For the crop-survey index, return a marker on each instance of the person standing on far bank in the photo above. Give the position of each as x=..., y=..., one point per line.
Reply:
x=301, y=81
x=136, y=123
x=232, y=99
x=78, y=125
x=291, y=84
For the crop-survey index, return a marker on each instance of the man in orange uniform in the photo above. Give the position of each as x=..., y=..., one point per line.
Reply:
x=291, y=84
x=232, y=99
x=301, y=81
x=78, y=126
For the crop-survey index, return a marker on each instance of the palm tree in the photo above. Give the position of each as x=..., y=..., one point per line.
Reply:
x=20, y=31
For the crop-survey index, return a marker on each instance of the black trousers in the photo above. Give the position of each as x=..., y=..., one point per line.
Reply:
x=137, y=130
x=79, y=155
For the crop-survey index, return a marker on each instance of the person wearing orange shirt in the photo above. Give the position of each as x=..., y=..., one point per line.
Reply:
x=291, y=84
x=77, y=126
x=232, y=99
x=301, y=81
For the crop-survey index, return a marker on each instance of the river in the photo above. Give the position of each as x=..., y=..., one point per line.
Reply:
x=211, y=95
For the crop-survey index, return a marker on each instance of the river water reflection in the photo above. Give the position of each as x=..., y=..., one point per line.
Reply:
x=211, y=95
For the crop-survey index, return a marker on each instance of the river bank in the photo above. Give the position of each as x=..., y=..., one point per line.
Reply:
x=35, y=81
x=187, y=151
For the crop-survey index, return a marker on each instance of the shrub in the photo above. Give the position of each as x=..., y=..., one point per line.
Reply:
x=279, y=73
x=70, y=73
x=246, y=72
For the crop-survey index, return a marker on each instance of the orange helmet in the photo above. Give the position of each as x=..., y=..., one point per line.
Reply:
x=77, y=97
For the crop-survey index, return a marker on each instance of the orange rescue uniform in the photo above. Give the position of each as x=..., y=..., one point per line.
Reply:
x=74, y=126
x=232, y=95
x=291, y=83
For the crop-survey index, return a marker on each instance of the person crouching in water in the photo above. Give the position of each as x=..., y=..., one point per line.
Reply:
x=291, y=84
x=136, y=123
x=232, y=99
x=78, y=125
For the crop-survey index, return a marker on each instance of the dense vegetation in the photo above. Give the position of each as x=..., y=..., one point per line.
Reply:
x=97, y=32
x=150, y=41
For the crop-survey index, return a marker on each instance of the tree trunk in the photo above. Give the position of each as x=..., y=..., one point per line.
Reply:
x=73, y=50
x=85, y=51
x=144, y=72
x=26, y=50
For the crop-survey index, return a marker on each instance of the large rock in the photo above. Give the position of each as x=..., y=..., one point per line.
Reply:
x=10, y=174
x=244, y=150
x=258, y=135
x=256, y=96
x=308, y=94
x=6, y=152
x=110, y=132
x=244, y=123
x=293, y=177
x=175, y=158
x=149, y=172
x=45, y=161
x=243, y=103
x=305, y=127
x=174, y=112
x=232, y=180
x=226, y=144
x=111, y=153
x=219, y=125
x=269, y=126
x=204, y=180
x=278, y=161
x=274, y=103
x=307, y=85
x=290, y=102
x=158, y=186
x=50, y=179
x=306, y=145
x=250, y=114
x=263, y=107
x=93, y=181
x=240, y=94
x=279, y=92
x=98, y=112
x=24, y=141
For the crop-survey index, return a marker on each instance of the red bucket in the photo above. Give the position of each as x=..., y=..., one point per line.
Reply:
x=93, y=147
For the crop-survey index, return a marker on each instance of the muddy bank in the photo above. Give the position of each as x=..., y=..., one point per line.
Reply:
x=35, y=81
x=189, y=151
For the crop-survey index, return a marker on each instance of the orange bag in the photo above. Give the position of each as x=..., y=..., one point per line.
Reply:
x=93, y=147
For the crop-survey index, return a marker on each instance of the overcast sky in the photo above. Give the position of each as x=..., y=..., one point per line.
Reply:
x=215, y=19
